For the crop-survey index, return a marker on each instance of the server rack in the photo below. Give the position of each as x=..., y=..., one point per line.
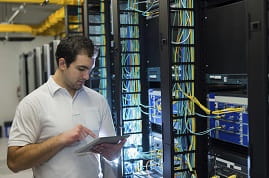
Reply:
x=53, y=63
x=31, y=77
x=46, y=70
x=127, y=85
x=38, y=66
x=98, y=29
x=224, y=23
x=23, y=90
x=177, y=47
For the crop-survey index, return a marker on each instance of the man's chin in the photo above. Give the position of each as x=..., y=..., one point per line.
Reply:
x=79, y=86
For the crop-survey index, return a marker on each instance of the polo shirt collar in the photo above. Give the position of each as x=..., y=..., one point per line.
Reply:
x=54, y=87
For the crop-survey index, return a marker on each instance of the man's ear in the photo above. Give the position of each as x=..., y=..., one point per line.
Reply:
x=62, y=64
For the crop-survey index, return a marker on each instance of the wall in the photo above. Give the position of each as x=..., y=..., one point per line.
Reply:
x=9, y=74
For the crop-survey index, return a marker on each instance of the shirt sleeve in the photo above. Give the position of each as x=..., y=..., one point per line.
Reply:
x=107, y=126
x=25, y=127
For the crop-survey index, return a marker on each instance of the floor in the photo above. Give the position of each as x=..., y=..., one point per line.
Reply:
x=4, y=171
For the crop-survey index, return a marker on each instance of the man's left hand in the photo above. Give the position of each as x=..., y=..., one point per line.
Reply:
x=108, y=150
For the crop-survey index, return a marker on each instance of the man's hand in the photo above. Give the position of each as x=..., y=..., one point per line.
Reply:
x=108, y=150
x=76, y=134
x=28, y=156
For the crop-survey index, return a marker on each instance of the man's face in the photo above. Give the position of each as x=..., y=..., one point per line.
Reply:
x=78, y=72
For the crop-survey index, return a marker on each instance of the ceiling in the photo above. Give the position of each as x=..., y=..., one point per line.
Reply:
x=29, y=14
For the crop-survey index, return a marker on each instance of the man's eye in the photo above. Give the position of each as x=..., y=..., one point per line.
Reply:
x=81, y=69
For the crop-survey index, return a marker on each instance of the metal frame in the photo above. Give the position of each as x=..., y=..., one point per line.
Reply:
x=108, y=49
x=200, y=92
x=116, y=75
x=144, y=85
x=166, y=90
x=258, y=87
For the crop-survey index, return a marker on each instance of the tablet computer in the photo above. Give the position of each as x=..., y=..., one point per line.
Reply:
x=97, y=141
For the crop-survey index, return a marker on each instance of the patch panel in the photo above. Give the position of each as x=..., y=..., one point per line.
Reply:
x=234, y=126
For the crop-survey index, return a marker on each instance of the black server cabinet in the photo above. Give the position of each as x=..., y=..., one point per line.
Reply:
x=258, y=86
x=241, y=47
x=53, y=63
x=223, y=48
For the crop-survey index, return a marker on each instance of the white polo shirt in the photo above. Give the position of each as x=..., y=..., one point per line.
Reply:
x=49, y=111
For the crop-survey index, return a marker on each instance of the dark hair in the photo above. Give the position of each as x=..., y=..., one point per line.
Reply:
x=70, y=47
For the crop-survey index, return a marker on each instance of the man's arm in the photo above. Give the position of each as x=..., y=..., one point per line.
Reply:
x=28, y=156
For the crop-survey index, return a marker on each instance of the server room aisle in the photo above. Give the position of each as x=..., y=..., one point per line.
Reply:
x=4, y=171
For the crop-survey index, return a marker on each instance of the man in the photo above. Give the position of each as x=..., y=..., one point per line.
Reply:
x=53, y=121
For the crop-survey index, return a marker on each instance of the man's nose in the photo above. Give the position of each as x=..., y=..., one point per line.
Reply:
x=86, y=75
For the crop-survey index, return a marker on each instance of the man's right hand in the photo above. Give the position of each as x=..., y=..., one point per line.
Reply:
x=30, y=155
x=76, y=134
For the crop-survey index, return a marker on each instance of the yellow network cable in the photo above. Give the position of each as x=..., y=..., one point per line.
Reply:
x=208, y=111
x=232, y=176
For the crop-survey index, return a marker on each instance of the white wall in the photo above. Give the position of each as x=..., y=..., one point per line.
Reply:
x=9, y=73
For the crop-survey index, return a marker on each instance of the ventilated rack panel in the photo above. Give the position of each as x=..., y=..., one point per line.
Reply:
x=74, y=20
x=131, y=85
x=98, y=12
x=180, y=147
